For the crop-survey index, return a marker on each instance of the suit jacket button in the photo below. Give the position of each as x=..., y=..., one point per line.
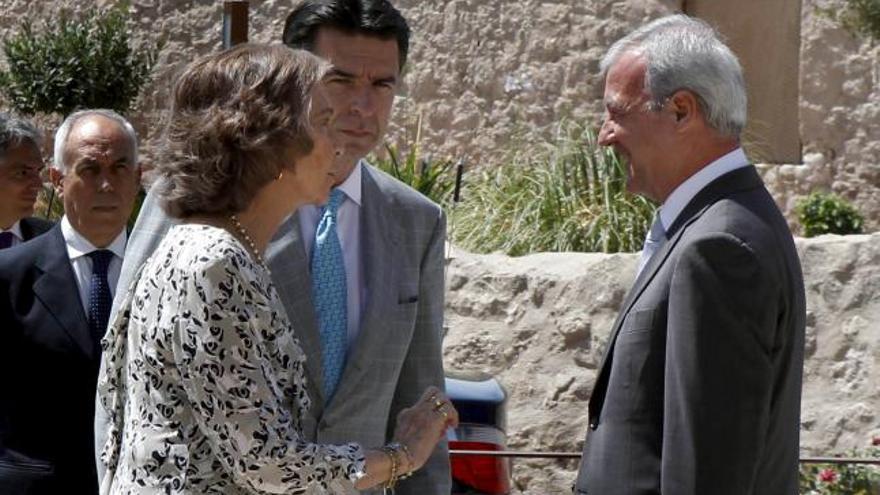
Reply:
x=593, y=425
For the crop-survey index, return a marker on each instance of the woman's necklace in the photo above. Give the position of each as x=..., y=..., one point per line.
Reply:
x=247, y=238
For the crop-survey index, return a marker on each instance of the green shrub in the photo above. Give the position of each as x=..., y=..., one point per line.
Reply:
x=843, y=479
x=570, y=195
x=825, y=213
x=75, y=61
x=859, y=17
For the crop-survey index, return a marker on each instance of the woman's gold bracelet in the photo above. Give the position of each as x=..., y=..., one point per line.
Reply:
x=409, y=460
x=393, y=453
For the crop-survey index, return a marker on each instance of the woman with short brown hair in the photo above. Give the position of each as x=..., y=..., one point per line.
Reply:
x=202, y=374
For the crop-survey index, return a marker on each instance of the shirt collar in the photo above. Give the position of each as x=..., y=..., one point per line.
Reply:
x=78, y=246
x=15, y=230
x=687, y=190
x=351, y=186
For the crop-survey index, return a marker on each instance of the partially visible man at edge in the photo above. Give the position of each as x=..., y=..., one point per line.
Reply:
x=55, y=296
x=391, y=239
x=700, y=387
x=21, y=163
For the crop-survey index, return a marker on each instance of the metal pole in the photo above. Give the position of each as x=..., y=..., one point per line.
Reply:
x=513, y=453
x=838, y=460
x=576, y=455
x=235, y=23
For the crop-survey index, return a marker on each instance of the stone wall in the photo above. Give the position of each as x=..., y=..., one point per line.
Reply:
x=491, y=76
x=839, y=118
x=540, y=323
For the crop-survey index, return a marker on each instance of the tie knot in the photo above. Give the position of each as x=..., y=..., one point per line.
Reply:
x=657, y=232
x=333, y=202
x=101, y=260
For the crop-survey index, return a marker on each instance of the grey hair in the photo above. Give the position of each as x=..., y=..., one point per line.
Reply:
x=15, y=131
x=685, y=53
x=64, y=130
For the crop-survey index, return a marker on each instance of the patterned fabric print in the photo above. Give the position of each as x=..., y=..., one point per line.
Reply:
x=329, y=294
x=201, y=375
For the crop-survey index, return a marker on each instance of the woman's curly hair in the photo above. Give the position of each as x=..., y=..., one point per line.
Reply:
x=237, y=120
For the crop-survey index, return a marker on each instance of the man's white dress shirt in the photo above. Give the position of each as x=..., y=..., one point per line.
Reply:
x=78, y=248
x=685, y=192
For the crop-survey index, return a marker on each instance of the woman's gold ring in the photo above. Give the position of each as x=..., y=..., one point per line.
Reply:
x=438, y=404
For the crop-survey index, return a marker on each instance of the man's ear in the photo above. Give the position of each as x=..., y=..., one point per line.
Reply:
x=55, y=176
x=685, y=107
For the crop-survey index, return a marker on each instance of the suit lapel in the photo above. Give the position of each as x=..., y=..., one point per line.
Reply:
x=27, y=231
x=378, y=238
x=740, y=179
x=289, y=265
x=54, y=289
x=638, y=287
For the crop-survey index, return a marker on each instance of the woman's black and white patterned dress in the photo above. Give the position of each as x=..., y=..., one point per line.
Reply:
x=204, y=381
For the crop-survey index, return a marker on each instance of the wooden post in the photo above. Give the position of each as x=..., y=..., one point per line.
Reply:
x=766, y=36
x=235, y=22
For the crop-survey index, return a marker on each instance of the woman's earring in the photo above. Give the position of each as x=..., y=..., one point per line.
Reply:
x=280, y=175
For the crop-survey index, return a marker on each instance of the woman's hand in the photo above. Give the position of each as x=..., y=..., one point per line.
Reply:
x=419, y=429
x=421, y=426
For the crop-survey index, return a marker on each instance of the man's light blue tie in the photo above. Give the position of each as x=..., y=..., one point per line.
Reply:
x=100, y=299
x=655, y=238
x=329, y=294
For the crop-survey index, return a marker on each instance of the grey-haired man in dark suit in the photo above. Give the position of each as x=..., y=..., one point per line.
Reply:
x=55, y=295
x=699, y=391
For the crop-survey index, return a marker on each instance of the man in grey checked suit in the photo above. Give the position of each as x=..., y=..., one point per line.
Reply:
x=392, y=241
x=699, y=391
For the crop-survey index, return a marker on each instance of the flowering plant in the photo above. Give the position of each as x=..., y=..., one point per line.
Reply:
x=843, y=479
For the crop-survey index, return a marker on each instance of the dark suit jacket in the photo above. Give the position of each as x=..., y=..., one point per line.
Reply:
x=699, y=391
x=32, y=227
x=48, y=373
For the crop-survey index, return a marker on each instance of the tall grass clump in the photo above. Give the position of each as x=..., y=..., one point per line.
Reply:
x=569, y=195
x=435, y=178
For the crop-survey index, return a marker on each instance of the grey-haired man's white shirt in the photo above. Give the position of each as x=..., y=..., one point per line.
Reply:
x=78, y=248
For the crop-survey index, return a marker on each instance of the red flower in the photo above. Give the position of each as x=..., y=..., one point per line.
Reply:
x=827, y=475
x=876, y=441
